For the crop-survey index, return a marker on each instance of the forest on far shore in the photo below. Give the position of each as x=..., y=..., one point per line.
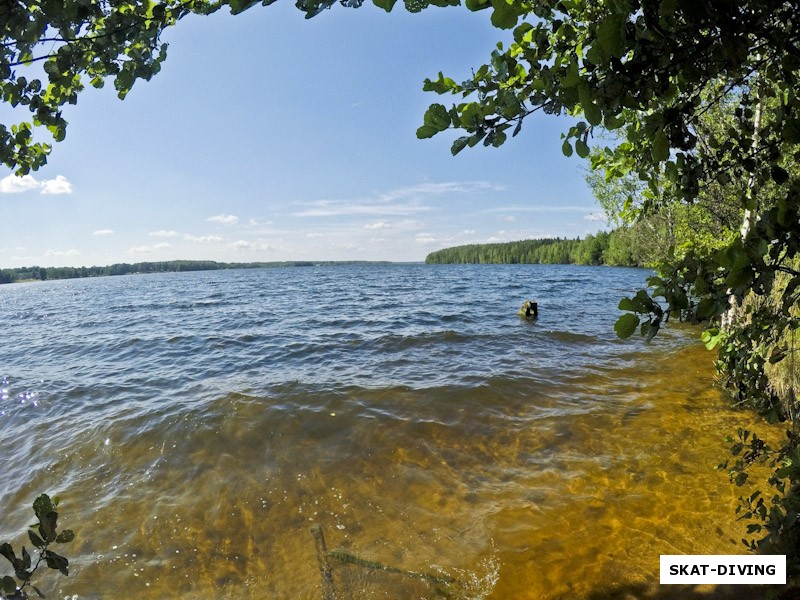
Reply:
x=592, y=250
x=169, y=266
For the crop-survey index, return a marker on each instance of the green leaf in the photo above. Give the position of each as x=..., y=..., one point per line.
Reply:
x=459, y=145
x=740, y=479
x=711, y=338
x=572, y=77
x=65, y=536
x=660, y=148
x=475, y=138
x=238, y=6
x=43, y=505
x=581, y=148
x=566, y=148
x=779, y=175
x=386, y=5
x=627, y=304
x=9, y=585
x=427, y=131
x=680, y=299
x=499, y=139
x=47, y=526
x=706, y=308
x=35, y=539
x=504, y=15
x=791, y=131
x=438, y=117
x=626, y=325
x=7, y=551
x=592, y=112
x=442, y=85
x=611, y=35
x=56, y=561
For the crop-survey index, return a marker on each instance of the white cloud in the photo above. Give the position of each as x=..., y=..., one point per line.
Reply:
x=437, y=189
x=164, y=233
x=378, y=225
x=62, y=253
x=313, y=234
x=351, y=247
x=59, y=185
x=596, y=216
x=204, y=239
x=377, y=240
x=425, y=239
x=245, y=245
x=257, y=223
x=468, y=232
x=397, y=202
x=327, y=208
x=509, y=218
x=536, y=208
x=11, y=184
x=104, y=232
x=148, y=249
x=224, y=219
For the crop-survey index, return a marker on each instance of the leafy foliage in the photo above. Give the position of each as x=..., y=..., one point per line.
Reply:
x=60, y=45
x=774, y=518
x=51, y=50
x=42, y=535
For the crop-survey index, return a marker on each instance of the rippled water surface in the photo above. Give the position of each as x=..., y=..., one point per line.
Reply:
x=196, y=425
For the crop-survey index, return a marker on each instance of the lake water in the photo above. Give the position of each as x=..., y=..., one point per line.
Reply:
x=196, y=425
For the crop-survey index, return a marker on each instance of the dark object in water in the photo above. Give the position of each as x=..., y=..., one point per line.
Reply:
x=530, y=309
x=328, y=591
x=347, y=557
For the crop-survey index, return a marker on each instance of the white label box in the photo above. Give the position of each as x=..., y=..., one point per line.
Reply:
x=723, y=569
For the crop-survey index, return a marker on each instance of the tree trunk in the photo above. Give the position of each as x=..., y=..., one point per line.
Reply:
x=749, y=210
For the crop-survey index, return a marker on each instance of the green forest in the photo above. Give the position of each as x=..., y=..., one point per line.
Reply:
x=140, y=268
x=592, y=250
x=603, y=248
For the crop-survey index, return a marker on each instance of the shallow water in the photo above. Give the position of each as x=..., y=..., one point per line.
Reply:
x=196, y=425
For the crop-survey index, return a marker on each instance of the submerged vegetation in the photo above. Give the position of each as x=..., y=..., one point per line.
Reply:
x=42, y=535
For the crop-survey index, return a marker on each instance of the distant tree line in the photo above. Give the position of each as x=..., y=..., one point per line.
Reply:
x=603, y=248
x=172, y=266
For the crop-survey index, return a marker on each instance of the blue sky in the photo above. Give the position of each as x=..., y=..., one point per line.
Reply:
x=270, y=137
